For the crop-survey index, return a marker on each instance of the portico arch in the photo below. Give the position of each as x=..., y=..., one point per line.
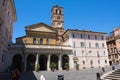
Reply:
x=65, y=59
x=31, y=62
x=43, y=62
x=17, y=61
x=54, y=59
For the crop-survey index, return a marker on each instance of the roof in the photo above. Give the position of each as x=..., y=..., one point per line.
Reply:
x=76, y=30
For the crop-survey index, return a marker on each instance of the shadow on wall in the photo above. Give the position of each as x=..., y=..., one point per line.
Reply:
x=28, y=76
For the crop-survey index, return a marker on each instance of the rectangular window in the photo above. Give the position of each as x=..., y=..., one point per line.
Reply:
x=96, y=45
x=90, y=53
x=98, y=61
x=82, y=44
x=3, y=2
x=74, y=53
x=3, y=57
x=47, y=41
x=81, y=36
x=89, y=45
x=82, y=53
x=83, y=62
x=102, y=38
x=88, y=36
x=73, y=35
x=95, y=37
x=98, y=55
x=74, y=44
x=91, y=62
x=103, y=45
x=105, y=61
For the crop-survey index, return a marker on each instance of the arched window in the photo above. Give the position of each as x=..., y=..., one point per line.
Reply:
x=47, y=41
x=41, y=41
x=34, y=40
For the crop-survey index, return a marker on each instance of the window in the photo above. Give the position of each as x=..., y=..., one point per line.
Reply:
x=81, y=36
x=103, y=45
x=47, y=41
x=90, y=53
x=34, y=40
x=3, y=57
x=102, y=38
x=82, y=44
x=98, y=55
x=98, y=61
x=3, y=2
x=74, y=44
x=73, y=35
x=41, y=41
x=89, y=45
x=74, y=53
x=88, y=36
x=60, y=11
x=96, y=45
x=58, y=17
x=104, y=53
x=105, y=61
x=95, y=37
x=91, y=62
x=83, y=62
x=82, y=53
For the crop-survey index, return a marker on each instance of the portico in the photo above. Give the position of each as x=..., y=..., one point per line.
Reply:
x=44, y=56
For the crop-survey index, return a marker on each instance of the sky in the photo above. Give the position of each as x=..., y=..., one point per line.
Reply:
x=94, y=15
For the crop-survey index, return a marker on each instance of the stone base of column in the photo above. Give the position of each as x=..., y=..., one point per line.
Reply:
x=60, y=68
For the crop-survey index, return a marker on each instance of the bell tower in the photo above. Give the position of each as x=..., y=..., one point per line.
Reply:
x=57, y=19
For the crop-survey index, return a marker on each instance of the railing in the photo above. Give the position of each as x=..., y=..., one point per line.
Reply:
x=42, y=46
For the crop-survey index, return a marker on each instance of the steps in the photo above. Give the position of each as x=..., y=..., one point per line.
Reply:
x=114, y=75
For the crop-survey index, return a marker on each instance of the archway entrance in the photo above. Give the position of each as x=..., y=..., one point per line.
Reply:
x=43, y=62
x=31, y=62
x=17, y=61
x=65, y=59
x=54, y=59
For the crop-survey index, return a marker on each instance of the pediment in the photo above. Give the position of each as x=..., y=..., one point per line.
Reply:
x=41, y=27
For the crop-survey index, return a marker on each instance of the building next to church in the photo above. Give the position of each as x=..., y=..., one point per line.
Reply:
x=7, y=19
x=44, y=44
x=113, y=45
x=89, y=48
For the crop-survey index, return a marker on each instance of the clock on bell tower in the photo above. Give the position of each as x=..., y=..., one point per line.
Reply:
x=57, y=19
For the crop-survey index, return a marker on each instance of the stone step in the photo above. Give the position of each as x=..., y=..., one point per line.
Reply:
x=115, y=74
x=111, y=78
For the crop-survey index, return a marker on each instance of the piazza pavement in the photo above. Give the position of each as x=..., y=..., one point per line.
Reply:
x=82, y=74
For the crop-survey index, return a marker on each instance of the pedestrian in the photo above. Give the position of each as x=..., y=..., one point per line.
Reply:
x=42, y=77
x=103, y=69
x=17, y=72
x=12, y=75
x=113, y=67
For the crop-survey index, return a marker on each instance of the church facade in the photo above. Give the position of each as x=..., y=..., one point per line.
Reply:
x=44, y=45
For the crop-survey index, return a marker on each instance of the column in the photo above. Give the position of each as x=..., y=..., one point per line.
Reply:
x=25, y=59
x=37, y=59
x=59, y=63
x=48, y=63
